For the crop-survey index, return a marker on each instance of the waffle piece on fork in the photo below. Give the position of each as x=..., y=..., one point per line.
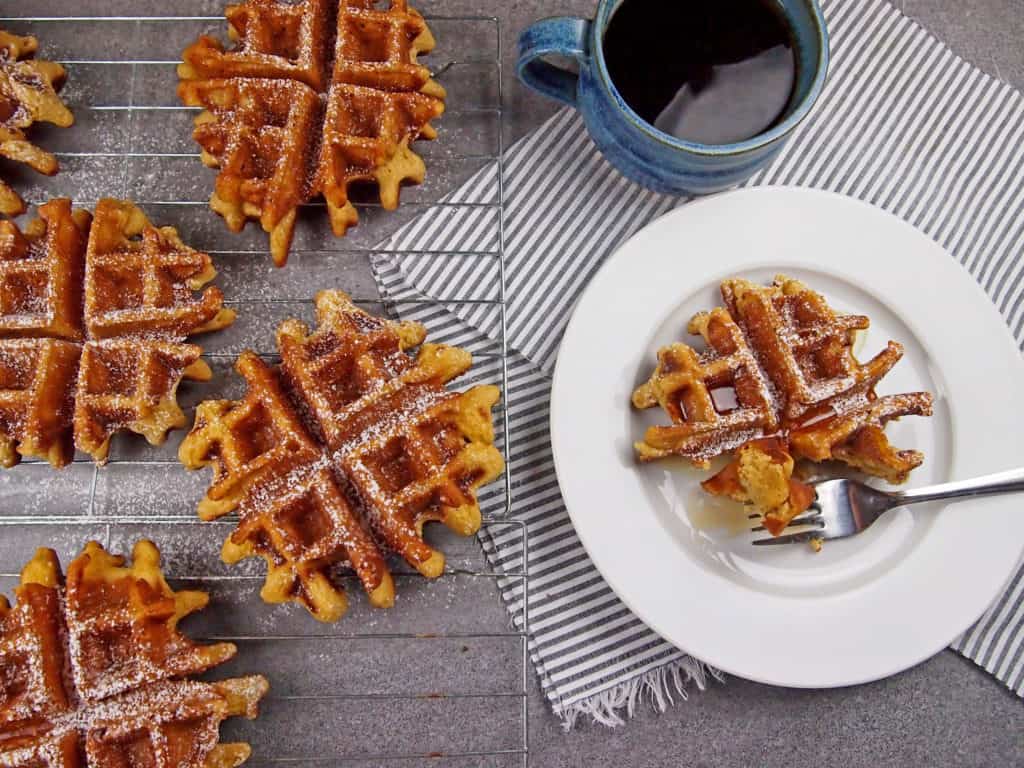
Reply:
x=94, y=313
x=283, y=126
x=96, y=671
x=762, y=475
x=28, y=95
x=344, y=452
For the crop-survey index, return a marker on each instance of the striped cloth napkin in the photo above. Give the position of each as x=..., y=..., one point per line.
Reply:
x=903, y=124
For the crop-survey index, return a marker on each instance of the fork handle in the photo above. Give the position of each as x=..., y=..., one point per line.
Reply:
x=1011, y=481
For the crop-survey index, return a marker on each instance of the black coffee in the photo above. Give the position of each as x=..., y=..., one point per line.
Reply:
x=708, y=71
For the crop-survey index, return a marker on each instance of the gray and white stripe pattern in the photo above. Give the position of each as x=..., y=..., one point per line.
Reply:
x=903, y=123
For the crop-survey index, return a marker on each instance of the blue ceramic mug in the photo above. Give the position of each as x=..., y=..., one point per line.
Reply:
x=640, y=151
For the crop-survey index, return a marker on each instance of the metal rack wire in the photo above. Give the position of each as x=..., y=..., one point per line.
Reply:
x=116, y=92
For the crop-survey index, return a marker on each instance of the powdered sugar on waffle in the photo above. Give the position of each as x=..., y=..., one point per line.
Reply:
x=111, y=708
x=149, y=337
x=384, y=447
x=788, y=350
x=143, y=710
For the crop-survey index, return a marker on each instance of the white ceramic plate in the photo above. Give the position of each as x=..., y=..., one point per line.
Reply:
x=865, y=607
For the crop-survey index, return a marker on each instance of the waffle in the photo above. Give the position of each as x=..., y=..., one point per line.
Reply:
x=344, y=452
x=283, y=125
x=140, y=280
x=28, y=94
x=798, y=387
x=94, y=672
x=856, y=437
x=94, y=313
x=805, y=348
x=273, y=40
x=683, y=385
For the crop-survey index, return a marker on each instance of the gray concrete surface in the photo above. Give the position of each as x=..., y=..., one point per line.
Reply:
x=945, y=712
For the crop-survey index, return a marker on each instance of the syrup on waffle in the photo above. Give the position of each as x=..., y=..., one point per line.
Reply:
x=94, y=313
x=94, y=672
x=762, y=475
x=799, y=390
x=857, y=438
x=28, y=94
x=287, y=118
x=344, y=451
x=683, y=383
x=805, y=348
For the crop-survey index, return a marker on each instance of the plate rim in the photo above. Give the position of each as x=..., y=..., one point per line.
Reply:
x=969, y=284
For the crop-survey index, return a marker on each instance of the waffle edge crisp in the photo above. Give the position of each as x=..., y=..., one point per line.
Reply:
x=28, y=95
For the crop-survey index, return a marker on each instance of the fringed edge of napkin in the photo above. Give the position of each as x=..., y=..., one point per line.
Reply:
x=660, y=687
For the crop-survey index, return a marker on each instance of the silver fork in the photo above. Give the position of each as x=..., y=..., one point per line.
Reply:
x=846, y=507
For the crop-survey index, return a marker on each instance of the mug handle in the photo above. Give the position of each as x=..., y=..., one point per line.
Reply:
x=565, y=35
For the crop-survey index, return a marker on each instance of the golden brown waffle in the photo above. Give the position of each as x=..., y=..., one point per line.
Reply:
x=132, y=385
x=856, y=437
x=344, y=451
x=412, y=451
x=37, y=384
x=357, y=148
x=94, y=672
x=804, y=347
x=787, y=359
x=270, y=39
x=93, y=316
x=684, y=382
x=260, y=134
x=41, y=273
x=283, y=126
x=141, y=280
x=28, y=94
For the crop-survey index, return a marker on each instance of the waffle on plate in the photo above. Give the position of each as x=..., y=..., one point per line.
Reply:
x=800, y=394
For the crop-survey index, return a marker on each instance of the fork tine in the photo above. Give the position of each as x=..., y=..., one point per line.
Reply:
x=812, y=519
x=815, y=532
x=791, y=538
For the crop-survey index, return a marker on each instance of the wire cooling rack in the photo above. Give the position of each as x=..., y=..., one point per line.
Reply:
x=440, y=679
